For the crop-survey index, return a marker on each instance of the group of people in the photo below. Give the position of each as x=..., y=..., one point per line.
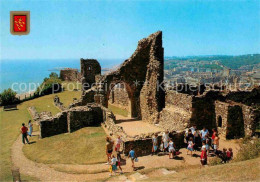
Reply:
x=114, y=160
x=195, y=139
x=167, y=144
x=25, y=132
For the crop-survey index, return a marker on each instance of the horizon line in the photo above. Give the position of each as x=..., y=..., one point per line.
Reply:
x=205, y=55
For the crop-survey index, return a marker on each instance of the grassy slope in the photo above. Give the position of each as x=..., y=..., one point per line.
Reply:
x=117, y=110
x=237, y=171
x=10, y=123
x=85, y=146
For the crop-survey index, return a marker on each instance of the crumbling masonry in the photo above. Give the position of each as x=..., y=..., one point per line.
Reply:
x=142, y=75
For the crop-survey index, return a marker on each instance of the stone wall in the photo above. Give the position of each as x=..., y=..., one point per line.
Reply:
x=143, y=146
x=223, y=112
x=58, y=103
x=54, y=125
x=71, y=120
x=221, y=109
x=177, y=112
x=80, y=117
x=69, y=74
x=119, y=98
x=38, y=116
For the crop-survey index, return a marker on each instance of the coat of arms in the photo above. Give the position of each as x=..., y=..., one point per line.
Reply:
x=20, y=22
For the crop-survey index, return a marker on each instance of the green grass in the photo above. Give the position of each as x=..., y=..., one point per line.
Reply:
x=10, y=123
x=238, y=171
x=117, y=110
x=85, y=146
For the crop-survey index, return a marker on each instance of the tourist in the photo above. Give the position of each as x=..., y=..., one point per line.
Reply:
x=214, y=132
x=193, y=129
x=203, y=133
x=118, y=144
x=24, y=130
x=196, y=140
x=190, y=146
x=189, y=135
x=203, y=156
x=203, y=146
x=30, y=125
x=165, y=138
x=132, y=155
x=109, y=148
x=118, y=157
x=113, y=164
x=216, y=143
x=155, y=143
x=223, y=155
x=171, y=147
x=207, y=143
x=162, y=146
x=229, y=154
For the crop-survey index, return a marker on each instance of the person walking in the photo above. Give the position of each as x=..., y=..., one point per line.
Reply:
x=30, y=125
x=24, y=130
x=133, y=157
x=109, y=148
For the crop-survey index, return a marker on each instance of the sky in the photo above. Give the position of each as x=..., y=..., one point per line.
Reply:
x=111, y=29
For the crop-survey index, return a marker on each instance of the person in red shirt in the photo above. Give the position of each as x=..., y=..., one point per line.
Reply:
x=229, y=154
x=24, y=130
x=203, y=156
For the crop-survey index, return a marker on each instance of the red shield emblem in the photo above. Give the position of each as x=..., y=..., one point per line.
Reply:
x=20, y=22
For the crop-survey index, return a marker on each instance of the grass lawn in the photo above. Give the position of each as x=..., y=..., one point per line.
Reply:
x=237, y=171
x=85, y=146
x=117, y=110
x=10, y=123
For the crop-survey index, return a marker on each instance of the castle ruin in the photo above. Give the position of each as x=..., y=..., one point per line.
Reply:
x=142, y=76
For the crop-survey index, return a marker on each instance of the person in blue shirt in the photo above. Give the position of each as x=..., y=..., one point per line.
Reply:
x=132, y=155
x=203, y=133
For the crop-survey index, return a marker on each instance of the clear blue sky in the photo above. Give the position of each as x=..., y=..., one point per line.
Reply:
x=111, y=29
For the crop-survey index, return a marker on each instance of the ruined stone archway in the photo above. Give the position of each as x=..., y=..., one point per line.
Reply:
x=143, y=74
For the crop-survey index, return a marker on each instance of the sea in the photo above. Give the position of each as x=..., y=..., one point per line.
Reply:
x=25, y=75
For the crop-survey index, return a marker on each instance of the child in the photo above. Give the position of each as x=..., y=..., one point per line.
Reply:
x=118, y=157
x=118, y=143
x=213, y=136
x=223, y=155
x=171, y=149
x=162, y=147
x=155, y=144
x=229, y=154
x=132, y=156
x=203, y=156
x=190, y=146
x=216, y=143
x=113, y=164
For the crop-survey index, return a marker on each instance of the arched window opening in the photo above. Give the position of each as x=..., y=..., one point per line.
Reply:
x=219, y=121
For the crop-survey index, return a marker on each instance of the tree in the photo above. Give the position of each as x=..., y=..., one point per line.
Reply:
x=50, y=85
x=53, y=75
x=8, y=96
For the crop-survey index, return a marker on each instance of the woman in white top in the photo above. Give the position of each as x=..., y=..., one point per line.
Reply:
x=166, y=140
x=171, y=146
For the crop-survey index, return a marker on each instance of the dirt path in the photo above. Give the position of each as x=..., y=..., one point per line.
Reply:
x=45, y=172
